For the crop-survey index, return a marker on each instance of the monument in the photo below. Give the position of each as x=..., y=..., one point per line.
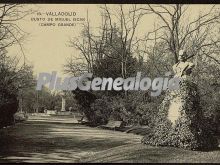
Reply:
x=182, y=70
x=63, y=108
x=180, y=121
x=64, y=111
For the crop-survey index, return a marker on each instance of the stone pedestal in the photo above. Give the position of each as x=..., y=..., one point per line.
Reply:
x=174, y=109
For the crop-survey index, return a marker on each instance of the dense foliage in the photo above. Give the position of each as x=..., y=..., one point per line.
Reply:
x=190, y=130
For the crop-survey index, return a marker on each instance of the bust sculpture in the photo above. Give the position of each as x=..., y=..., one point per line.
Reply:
x=183, y=68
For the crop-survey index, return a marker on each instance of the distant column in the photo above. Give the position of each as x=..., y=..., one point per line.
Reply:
x=63, y=104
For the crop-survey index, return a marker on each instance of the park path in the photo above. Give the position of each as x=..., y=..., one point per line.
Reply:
x=44, y=141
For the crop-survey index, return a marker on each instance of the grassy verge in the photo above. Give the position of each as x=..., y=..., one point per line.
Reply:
x=139, y=153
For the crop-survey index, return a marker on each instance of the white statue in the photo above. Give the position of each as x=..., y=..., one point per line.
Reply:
x=183, y=69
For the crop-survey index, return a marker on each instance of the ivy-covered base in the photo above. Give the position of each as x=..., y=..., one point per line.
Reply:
x=190, y=130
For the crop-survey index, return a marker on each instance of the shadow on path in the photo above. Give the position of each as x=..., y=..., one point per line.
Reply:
x=35, y=141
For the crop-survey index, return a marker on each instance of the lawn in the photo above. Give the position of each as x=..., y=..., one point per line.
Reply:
x=148, y=154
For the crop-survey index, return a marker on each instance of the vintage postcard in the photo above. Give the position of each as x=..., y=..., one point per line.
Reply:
x=109, y=83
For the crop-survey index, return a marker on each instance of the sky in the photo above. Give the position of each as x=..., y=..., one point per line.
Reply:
x=46, y=48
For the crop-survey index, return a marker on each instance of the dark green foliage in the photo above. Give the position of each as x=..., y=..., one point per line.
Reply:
x=8, y=107
x=101, y=111
x=190, y=130
x=134, y=109
x=12, y=80
x=85, y=99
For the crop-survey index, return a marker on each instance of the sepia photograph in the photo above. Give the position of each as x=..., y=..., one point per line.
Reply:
x=109, y=83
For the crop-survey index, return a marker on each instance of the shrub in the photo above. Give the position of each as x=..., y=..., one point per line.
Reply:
x=190, y=130
x=101, y=111
x=8, y=107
